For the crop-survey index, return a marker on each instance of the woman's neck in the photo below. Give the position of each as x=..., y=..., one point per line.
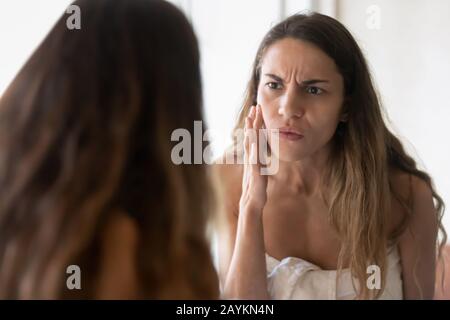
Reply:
x=302, y=176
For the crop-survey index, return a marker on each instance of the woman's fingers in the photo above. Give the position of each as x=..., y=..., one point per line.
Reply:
x=246, y=135
x=248, y=138
x=252, y=113
x=262, y=139
x=249, y=129
x=257, y=124
x=247, y=126
x=254, y=159
x=253, y=124
x=253, y=183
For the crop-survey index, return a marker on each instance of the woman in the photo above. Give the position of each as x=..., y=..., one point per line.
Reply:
x=86, y=177
x=347, y=205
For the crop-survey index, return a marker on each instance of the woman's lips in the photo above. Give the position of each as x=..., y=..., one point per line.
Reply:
x=290, y=134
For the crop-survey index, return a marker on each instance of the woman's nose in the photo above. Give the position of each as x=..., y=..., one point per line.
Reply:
x=291, y=106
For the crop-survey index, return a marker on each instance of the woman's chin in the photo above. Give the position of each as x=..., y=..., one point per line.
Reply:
x=289, y=155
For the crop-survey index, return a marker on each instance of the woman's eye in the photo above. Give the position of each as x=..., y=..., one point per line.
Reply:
x=274, y=85
x=314, y=90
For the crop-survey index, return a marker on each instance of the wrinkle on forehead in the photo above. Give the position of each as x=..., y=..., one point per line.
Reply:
x=292, y=59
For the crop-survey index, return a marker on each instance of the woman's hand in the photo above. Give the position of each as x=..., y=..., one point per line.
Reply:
x=254, y=185
x=247, y=274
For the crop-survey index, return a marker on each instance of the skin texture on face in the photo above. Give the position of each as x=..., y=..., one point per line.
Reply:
x=300, y=87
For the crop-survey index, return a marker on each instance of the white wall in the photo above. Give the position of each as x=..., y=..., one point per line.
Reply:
x=23, y=25
x=229, y=32
x=410, y=58
x=408, y=55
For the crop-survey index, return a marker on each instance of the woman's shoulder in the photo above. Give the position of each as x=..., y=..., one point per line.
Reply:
x=119, y=239
x=409, y=186
x=400, y=183
x=417, y=241
x=408, y=189
x=229, y=174
x=228, y=169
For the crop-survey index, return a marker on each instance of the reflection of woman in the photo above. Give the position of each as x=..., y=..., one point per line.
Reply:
x=86, y=176
x=346, y=195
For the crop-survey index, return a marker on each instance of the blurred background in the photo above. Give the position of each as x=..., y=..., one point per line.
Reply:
x=406, y=42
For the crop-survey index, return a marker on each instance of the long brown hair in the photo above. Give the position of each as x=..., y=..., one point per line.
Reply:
x=85, y=130
x=364, y=150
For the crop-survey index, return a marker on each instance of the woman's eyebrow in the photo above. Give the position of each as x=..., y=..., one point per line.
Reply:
x=314, y=81
x=305, y=82
x=276, y=78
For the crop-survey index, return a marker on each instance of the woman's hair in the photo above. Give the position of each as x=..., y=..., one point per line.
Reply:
x=85, y=131
x=364, y=150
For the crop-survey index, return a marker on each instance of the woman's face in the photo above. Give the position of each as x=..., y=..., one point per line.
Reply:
x=302, y=91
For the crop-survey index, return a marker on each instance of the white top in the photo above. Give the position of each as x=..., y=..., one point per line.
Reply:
x=295, y=278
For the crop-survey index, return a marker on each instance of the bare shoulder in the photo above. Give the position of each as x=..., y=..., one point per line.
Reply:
x=229, y=178
x=414, y=190
x=120, y=228
x=229, y=181
x=417, y=243
x=118, y=277
x=227, y=169
x=400, y=182
x=424, y=210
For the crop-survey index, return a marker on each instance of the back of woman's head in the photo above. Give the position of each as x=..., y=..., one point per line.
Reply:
x=85, y=131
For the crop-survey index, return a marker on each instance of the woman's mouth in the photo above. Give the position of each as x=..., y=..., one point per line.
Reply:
x=290, y=134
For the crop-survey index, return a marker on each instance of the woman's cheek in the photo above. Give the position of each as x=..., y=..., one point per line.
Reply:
x=264, y=99
x=269, y=116
x=268, y=104
x=264, y=96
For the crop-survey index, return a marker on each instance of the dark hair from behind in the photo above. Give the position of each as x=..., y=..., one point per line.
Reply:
x=85, y=130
